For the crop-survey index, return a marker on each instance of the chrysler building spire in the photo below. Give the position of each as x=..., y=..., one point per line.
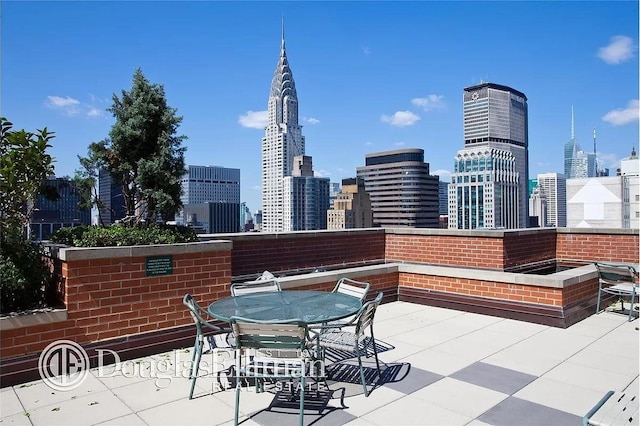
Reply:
x=283, y=140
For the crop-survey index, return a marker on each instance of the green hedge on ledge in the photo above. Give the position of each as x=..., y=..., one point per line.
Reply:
x=120, y=235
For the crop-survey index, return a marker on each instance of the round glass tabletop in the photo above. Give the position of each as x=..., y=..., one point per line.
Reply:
x=310, y=306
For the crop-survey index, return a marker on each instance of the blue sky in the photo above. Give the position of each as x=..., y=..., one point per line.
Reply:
x=370, y=76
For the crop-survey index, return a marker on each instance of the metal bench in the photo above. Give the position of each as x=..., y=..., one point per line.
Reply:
x=614, y=409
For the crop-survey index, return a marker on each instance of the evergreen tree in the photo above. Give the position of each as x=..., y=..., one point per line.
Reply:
x=143, y=152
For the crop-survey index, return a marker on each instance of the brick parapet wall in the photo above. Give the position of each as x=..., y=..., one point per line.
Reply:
x=592, y=245
x=472, y=249
x=112, y=297
x=289, y=252
x=530, y=246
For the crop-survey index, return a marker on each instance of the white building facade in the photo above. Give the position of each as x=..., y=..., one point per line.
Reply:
x=488, y=188
x=554, y=188
x=282, y=142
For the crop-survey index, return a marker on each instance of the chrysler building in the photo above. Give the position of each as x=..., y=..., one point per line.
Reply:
x=282, y=142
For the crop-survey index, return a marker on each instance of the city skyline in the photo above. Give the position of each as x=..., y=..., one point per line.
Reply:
x=370, y=76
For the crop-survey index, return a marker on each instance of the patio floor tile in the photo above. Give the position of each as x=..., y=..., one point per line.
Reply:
x=446, y=393
x=515, y=411
x=9, y=402
x=561, y=396
x=493, y=377
x=413, y=411
x=85, y=410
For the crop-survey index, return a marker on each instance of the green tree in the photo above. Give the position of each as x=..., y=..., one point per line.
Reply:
x=25, y=280
x=24, y=168
x=86, y=180
x=143, y=152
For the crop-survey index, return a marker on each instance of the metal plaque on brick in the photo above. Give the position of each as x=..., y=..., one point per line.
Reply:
x=159, y=265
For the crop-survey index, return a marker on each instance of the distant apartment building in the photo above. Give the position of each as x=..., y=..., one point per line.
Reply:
x=112, y=207
x=211, y=199
x=403, y=193
x=489, y=185
x=537, y=208
x=351, y=208
x=554, y=188
x=606, y=202
x=50, y=215
x=305, y=198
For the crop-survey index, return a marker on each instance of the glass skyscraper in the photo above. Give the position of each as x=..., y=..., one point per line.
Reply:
x=489, y=186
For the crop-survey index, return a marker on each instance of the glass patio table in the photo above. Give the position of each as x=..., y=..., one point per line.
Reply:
x=312, y=307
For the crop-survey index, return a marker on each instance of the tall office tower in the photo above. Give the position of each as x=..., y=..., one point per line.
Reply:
x=305, y=198
x=202, y=184
x=490, y=184
x=402, y=191
x=110, y=194
x=282, y=142
x=50, y=215
x=352, y=207
x=537, y=207
x=578, y=163
x=554, y=188
x=211, y=199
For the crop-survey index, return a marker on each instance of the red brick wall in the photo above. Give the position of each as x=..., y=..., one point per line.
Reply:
x=488, y=289
x=604, y=247
x=298, y=251
x=481, y=252
x=112, y=297
x=526, y=247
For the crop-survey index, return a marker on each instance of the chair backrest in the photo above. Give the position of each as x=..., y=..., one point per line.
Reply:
x=238, y=289
x=366, y=314
x=357, y=289
x=198, y=314
x=615, y=274
x=252, y=334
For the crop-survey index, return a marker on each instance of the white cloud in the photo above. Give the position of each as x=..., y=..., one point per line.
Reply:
x=445, y=175
x=366, y=50
x=68, y=105
x=430, y=102
x=400, y=118
x=621, y=116
x=368, y=143
x=257, y=187
x=94, y=112
x=620, y=49
x=254, y=119
x=321, y=173
x=310, y=120
x=60, y=102
x=399, y=143
x=609, y=161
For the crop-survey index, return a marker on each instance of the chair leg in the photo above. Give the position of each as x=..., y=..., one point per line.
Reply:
x=633, y=298
x=302, y=384
x=362, y=376
x=598, y=303
x=375, y=353
x=235, y=418
x=197, y=354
